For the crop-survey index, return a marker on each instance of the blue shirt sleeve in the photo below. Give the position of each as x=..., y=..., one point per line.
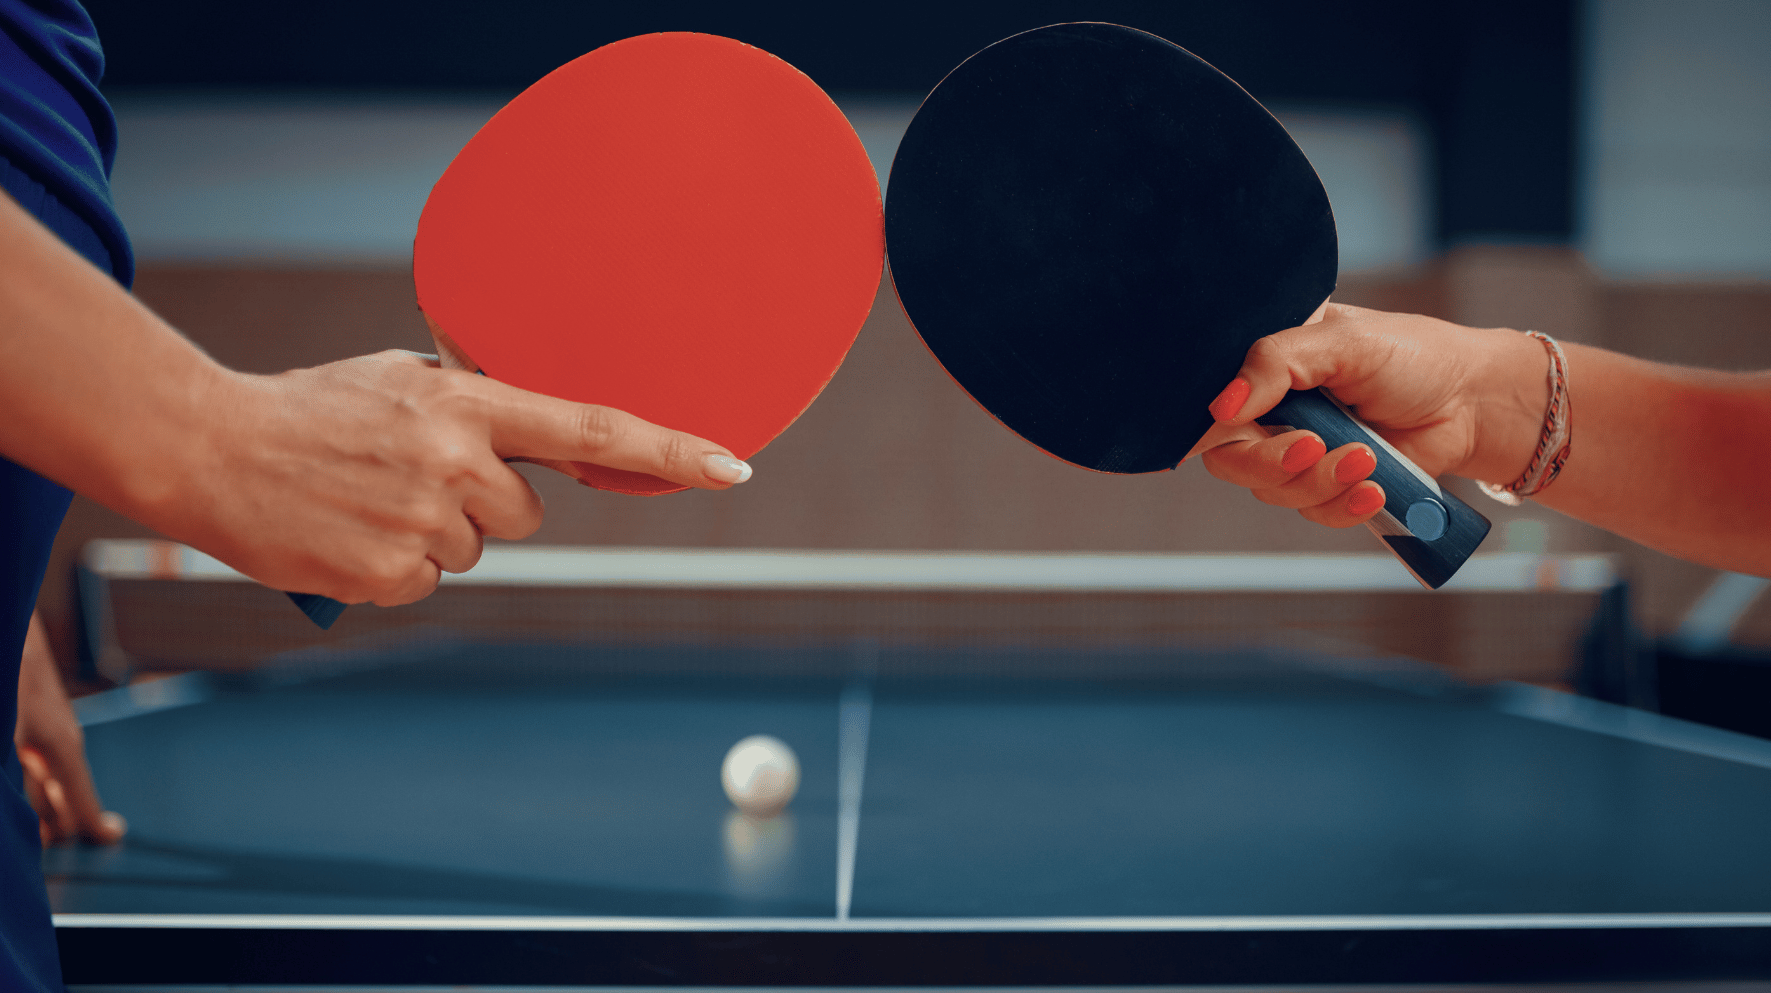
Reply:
x=56, y=129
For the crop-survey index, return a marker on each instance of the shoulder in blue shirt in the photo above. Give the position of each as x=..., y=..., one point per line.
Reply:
x=55, y=127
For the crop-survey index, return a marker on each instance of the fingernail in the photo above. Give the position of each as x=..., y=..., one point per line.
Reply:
x=114, y=824
x=1229, y=403
x=1355, y=466
x=1303, y=453
x=1365, y=500
x=725, y=469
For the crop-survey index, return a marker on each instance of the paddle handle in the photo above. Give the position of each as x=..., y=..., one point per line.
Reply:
x=322, y=610
x=1430, y=530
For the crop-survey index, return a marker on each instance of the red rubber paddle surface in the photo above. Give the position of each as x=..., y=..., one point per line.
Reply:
x=677, y=225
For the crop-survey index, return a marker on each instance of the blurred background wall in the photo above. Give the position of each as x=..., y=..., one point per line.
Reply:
x=1599, y=170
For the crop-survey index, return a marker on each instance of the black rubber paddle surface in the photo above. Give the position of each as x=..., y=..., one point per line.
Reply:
x=1089, y=226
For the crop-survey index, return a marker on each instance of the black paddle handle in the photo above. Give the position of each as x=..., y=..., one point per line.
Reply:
x=1430, y=530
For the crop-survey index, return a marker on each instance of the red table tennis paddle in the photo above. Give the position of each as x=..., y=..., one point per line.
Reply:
x=1089, y=227
x=679, y=225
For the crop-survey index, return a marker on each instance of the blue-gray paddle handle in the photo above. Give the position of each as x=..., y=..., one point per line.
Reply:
x=322, y=610
x=1430, y=530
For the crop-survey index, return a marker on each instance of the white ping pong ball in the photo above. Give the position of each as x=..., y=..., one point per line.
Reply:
x=760, y=775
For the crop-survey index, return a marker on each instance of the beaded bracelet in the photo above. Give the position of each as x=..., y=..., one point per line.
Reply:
x=1557, y=439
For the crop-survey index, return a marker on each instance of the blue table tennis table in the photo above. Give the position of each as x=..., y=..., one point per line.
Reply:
x=506, y=814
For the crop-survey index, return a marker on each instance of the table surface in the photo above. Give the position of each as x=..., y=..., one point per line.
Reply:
x=463, y=794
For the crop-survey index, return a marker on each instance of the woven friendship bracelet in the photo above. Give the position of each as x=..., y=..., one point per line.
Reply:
x=1557, y=439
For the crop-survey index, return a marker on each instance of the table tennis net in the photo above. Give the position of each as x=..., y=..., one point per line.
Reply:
x=158, y=606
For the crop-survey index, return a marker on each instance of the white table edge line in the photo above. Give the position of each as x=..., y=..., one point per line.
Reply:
x=1417, y=922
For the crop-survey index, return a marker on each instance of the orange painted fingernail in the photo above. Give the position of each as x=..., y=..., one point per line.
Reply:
x=1303, y=453
x=1229, y=403
x=1354, y=466
x=1365, y=500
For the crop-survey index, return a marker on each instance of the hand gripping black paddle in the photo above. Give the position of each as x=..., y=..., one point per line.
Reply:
x=1089, y=227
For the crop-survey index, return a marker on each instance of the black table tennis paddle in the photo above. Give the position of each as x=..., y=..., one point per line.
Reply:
x=1089, y=226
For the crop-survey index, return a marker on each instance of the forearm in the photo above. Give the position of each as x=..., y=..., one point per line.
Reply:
x=100, y=394
x=1677, y=459
x=37, y=676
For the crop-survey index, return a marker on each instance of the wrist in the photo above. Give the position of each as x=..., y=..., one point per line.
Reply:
x=171, y=469
x=1512, y=396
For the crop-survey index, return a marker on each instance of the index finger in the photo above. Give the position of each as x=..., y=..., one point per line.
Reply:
x=543, y=429
x=1292, y=359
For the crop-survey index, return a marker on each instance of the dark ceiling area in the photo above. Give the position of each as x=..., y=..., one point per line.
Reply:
x=1494, y=82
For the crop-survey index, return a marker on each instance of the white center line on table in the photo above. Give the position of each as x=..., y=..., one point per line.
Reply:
x=853, y=717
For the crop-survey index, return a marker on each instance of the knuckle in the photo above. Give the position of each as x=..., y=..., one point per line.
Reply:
x=1227, y=462
x=413, y=587
x=385, y=576
x=446, y=469
x=378, y=576
x=674, y=451
x=1330, y=515
x=1308, y=490
x=1216, y=466
x=524, y=523
x=1274, y=498
x=470, y=555
x=598, y=428
x=510, y=527
x=463, y=388
x=426, y=517
x=1266, y=351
